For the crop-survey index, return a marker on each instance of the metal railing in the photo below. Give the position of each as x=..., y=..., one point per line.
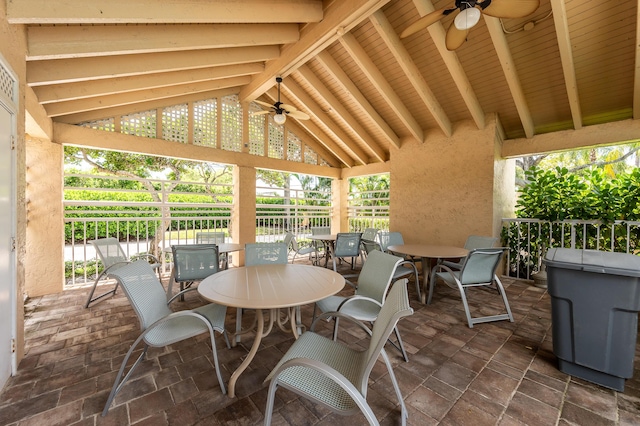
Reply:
x=368, y=209
x=528, y=240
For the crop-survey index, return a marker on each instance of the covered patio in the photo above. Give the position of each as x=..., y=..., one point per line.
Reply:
x=495, y=373
x=446, y=125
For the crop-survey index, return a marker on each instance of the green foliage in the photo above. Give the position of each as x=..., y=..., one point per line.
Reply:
x=557, y=195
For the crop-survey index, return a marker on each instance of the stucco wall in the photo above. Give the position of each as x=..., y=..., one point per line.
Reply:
x=443, y=190
x=13, y=47
x=44, y=251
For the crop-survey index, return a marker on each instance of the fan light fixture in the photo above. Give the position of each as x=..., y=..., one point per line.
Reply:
x=467, y=18
x=279, y=118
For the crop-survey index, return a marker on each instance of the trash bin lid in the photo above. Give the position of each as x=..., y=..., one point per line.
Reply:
x=602, y=262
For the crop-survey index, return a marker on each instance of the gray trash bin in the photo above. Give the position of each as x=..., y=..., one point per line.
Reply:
x=595, y=299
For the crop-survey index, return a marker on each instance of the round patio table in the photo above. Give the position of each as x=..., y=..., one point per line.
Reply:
x=271, y=286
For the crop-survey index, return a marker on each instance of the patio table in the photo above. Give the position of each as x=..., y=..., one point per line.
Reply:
x=328, y=241
x=271, y=286
x=426, y=252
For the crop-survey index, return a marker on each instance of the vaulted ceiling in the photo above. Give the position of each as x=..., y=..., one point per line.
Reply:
x=570, y=64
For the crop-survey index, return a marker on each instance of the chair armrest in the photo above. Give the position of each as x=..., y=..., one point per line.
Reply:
x=145, y=256
x=355, y=297
x=180, y=294
x=342, y=316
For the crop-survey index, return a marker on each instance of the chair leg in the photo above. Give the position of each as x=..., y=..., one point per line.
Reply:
x=117, y=384
x=396, y=387
x=90, y=298
x=237, y=338
x=504, y=297
x=404, y=353
x=270, y=397
x=216, y=365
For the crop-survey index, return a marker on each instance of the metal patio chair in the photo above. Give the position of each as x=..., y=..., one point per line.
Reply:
x=112, y=256
x=479, y=269
x=159, y=325
x=347, y=246
x=473, y=242
x=292, y=243
x=336, y=376
x=192, y=263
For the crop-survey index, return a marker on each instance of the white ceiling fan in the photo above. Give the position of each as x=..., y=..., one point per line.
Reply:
x=281, y=110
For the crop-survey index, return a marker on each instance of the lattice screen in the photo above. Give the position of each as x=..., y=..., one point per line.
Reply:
x=276, y=139
x=310, y=156
x=139, y=124
x=8, y=85
x=324, y=163
x=256, y=130
x=231, y=123
x=294, y=147
x=205, y=123
x=175, y=123
x=106, y=125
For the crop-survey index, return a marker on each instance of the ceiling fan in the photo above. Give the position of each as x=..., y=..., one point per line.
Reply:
x=281, y=110
x=467, y=14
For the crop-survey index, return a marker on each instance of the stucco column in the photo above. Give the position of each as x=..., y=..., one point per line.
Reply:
x=44, y=256
x=339, y=203
x=243, y=215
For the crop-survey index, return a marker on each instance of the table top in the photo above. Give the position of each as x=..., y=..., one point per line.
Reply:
x=324, y=237
x=270, y=286
x=429, y=251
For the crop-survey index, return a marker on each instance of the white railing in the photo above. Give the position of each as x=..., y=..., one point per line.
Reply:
x=368, y=209
x=528, y=239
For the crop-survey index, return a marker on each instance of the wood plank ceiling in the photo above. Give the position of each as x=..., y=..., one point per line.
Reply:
x=570, y=64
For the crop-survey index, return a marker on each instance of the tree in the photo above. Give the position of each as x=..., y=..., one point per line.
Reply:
x=143, y=166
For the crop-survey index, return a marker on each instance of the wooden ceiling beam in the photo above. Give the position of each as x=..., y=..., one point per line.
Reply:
x=341, y=77
x=135, y=97
x=314, y=38
x=509, y=68
x=110, y=86
x=566, y=58
x=451, y=61
x=63, y=42
x=369, y=68
x=411, y=71
x=338, y=109
x=314, y=110
x=175, y=11
x=82, y=69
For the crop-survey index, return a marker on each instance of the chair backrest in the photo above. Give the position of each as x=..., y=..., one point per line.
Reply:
x=321, y=230
x=289, y=238
x=264, y=253
x=376, y=274
x=395, y=307
x=370, y=245
x=390, y=239
x=144, y=291
x=370, y=234
x=210, y=237
x=347, y=244
x=480, y=265
x=109, y=251
x=194, y=262
x=476, y=241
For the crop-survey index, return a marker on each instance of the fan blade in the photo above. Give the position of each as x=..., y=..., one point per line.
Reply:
x=263, y=103
x=511, y=8
x=299, y=115
x=455, y=37
x=288, y=107
x=260, y=112
x=423, y=22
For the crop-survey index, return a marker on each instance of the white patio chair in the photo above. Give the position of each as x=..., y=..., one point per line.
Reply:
x=479, y=269
x=405, y=269
x=192, y=263
x=373, y=283
x=292, y=243
x=336, y=376
x=112, y=256
x=347, y=246
x=210, y=237
x=161, y=326
x=473, y=242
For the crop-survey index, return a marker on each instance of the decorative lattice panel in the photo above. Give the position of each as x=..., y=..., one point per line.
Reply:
x=310, y=156
x=106, y=125
x=175, y=123
x=324, y=163
x=294, y=147
x=139, y=124
x=256, y=130
x=205, y=123
x=8, y=85
x=231, y=123
x=276, y=140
